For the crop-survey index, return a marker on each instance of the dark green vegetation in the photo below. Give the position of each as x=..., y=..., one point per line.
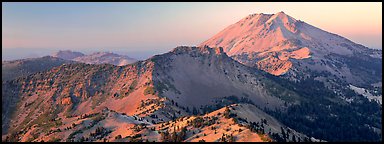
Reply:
x=369, y=68
x=174, y=136
x=219, y=103
x=323, y=115
x=149, y=90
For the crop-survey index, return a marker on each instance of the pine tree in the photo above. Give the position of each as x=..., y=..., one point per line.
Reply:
x=283, y=133
x=226, y=112
x=194, y=111
x=293, y=138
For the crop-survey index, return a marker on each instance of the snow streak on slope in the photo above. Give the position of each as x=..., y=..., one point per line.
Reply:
x=366, y=94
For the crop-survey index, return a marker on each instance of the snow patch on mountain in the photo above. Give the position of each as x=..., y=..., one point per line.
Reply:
x=366, y=94
x=376, y=55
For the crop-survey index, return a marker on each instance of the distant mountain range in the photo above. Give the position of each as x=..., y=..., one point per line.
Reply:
x=96, y=58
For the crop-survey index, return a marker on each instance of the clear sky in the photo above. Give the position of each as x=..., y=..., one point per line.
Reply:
x=144, y=29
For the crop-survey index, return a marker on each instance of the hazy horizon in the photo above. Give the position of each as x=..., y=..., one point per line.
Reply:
x=141, y=30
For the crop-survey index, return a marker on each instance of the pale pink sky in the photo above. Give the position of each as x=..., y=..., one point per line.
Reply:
x=162, y=26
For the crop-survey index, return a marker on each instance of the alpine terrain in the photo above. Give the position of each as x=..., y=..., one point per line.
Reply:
x=158, y=99
x=266, y=78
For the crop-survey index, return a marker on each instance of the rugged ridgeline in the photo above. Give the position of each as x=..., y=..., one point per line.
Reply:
x=290, y=48
x=83, y=102
x=96, y=58
x=24, y=67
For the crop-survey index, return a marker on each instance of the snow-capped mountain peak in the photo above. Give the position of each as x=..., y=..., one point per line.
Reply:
x=272, y=42
x=281, y=17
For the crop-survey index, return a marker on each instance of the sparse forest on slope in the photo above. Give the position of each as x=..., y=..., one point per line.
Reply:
x=150, y=90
